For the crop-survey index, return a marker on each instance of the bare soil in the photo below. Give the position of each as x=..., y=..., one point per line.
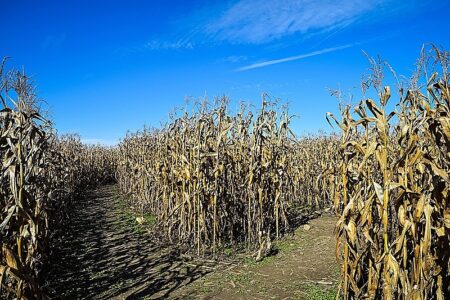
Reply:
x=304, y=268
x=103, y=253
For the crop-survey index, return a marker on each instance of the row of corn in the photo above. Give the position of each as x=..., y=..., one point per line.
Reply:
x=41, y=174
x=216, y=179
x=393, y=200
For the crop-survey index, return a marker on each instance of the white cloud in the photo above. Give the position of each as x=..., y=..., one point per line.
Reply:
x=159, y=45
x=259, y=21
x=155, y=45
x=296, y=57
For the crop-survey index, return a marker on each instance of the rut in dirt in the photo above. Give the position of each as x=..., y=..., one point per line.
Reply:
x=100, y=255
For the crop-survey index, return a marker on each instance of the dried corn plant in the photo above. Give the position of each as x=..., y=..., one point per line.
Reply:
x=393, y=234
x=315, y=163
x=40, y=175
x=215, y=179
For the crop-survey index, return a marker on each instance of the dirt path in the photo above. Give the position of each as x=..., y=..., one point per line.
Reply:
x=304, y=268
x=103, y=254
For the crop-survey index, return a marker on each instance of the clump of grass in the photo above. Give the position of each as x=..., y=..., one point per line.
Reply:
x=316, y=292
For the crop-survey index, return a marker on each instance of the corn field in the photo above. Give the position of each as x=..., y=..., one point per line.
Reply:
x=393, y=188
x=215, y=179
x=41, y=174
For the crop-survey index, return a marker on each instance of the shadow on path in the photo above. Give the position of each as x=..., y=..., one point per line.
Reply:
x=100, y=255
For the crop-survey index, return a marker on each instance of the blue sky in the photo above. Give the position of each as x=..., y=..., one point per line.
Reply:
x=105, y=67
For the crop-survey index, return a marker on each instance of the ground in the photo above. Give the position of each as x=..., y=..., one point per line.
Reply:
x=103, y=253
x=304, y=268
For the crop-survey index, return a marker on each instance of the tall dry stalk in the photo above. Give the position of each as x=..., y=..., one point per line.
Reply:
x=393, y=234
x=40, y=175
x=214, y=179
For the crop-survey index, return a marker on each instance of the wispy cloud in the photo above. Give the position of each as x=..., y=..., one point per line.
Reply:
x=259, y=21
x=155, y=45
x=296, y=57
x=159, y=45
